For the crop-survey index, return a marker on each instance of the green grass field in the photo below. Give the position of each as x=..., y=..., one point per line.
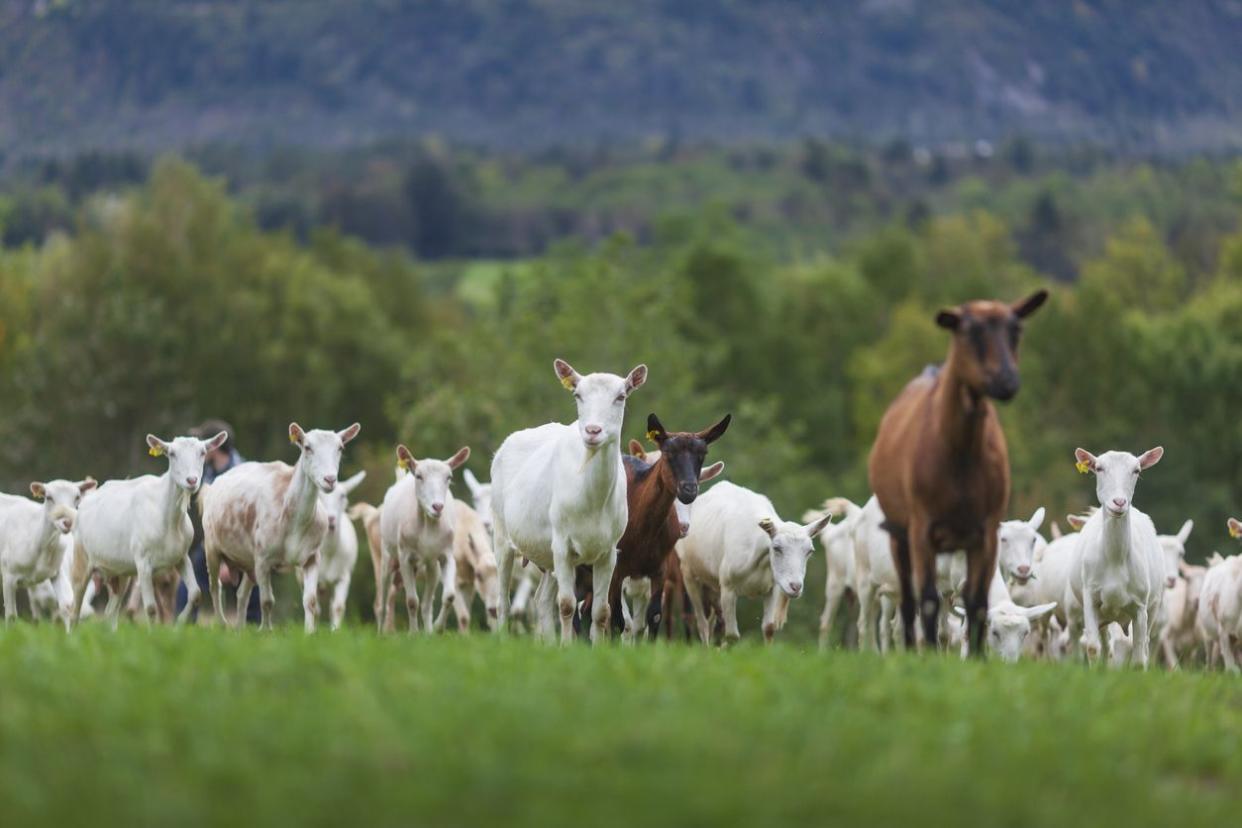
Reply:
x=199, y=726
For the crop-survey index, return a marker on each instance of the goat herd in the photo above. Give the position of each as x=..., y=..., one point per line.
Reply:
x=571, y=528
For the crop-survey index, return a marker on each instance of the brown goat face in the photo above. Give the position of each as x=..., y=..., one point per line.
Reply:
x=986, y=335
x=684, y=453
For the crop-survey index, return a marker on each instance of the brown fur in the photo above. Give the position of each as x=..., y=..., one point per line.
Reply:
x=940, y=464
x=652, y=529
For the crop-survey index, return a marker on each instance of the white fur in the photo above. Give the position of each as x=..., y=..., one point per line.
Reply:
x=1121, y=573
x=34, y=537
x=416, y=533
x=288, y=530
x=559, y=499
x=141, y=526
x=738, y=546
x=339, y=551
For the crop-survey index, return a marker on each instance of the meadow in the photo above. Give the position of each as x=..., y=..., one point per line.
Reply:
x=199, y=726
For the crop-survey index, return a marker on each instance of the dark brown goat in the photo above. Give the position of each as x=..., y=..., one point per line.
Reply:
x=940, y=466
x=654, y=528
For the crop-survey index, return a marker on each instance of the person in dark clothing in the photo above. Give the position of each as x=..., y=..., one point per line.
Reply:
x=218, y=462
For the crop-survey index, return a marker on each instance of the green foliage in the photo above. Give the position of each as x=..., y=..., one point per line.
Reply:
x=197, y=726
x=168, y=303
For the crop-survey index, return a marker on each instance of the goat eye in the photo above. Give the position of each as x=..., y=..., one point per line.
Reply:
x=620, y=398
x=1136, y=471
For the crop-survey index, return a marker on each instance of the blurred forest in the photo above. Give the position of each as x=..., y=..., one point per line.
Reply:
x=86, y=74
x=425, y=291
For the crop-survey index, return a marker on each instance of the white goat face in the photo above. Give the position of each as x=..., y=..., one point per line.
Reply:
x=481, y=494
x=1116, y=475
x=601, y=401
x=1016, y=546
x=321, y=452
x=336, y=501
x=432, y=479
x=61, y=499
x=1007, y=632
x=185, y=457
x=1008, y=627
x=1173, y=549
x=792, y=545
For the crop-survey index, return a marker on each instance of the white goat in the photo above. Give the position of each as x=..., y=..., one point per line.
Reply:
x=1175, y=604
x=738, y=546
x=875, y=579
x=559, y=499
x=1178, y=638
x=1120, y=576
x=838, y=543
x=33, y=537
x=475, y=565
x=141, y=527
x=339, y=551
x=1019, y=542
x=416, y=533
x=1219, y=620
x=263, y=518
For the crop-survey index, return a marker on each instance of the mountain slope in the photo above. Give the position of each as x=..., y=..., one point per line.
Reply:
x=525, y=73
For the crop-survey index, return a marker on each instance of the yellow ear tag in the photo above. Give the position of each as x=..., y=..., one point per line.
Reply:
x=1082, y=467
x=1233, y=531
x=293, y=439
x=155, y=451
x=403, y=464
x=568, y=382
x=651, y=435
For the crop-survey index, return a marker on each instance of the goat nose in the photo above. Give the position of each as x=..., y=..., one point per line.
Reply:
x=1119, y=502
x=1024, y=570
x=330, y=479
x=796, y=589
x=191, y=481
x=437, y=507
x=594, y=430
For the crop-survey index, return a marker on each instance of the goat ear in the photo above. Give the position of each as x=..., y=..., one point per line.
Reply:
x=462, y=455
x=352, y=483
x=1039, y=610
x=816, y=526
x=1030, y=304
x=87, y=484
x=1037, y=519
x=472, y=482
x=1076, y=522
x=566, y=374
x=1151, y=457
x=711, y=472
x=155, y=446
x=1183, y=534
x=405, y=460
x=656, y=432
x=217, y=441
x=768, y=526
x=1235, y=528
x=296, y=435
x=349, y=433
x=637, y=450
x=711, y=435
x=38, y=490
x=1085, y=460
x=635, y=378
x=949, y=320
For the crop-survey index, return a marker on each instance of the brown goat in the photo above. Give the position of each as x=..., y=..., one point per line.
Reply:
x=653, y=527
x=940, y=466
